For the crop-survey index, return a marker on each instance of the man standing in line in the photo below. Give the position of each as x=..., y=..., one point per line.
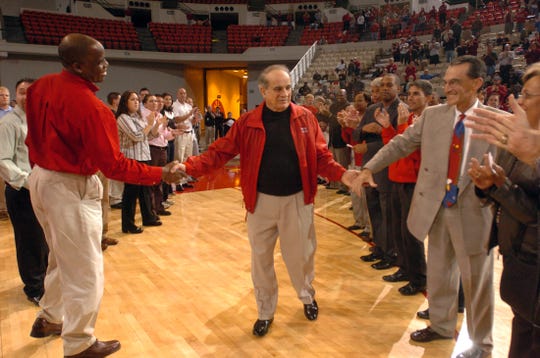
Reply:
x=69, y=141
x=5, y=108
x=183, y=116
x=342, y=153
x=379, y=199
x=403, y=175
x=282, y=149
x=15, y=167
x=445, y=206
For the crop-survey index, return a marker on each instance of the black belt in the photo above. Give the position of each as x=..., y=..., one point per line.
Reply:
x=157, y=147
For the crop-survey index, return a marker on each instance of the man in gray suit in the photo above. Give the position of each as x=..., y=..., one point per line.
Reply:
x=448, y=210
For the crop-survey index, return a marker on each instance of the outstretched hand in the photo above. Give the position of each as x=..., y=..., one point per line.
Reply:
x=363, y=179
x=173, y=172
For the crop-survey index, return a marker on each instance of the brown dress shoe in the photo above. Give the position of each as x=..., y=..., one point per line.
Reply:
x=98, y=349
x=426, y=335
x=43, y=328
x=108, y=241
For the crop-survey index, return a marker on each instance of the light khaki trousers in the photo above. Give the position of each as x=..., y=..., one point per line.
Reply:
x=68, y=207
x=105, y=204
x=360, y=210
x=447, y=259
x=292, y=220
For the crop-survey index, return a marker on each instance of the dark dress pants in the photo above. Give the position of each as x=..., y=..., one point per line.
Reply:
x=525, y=342
x=378, y=203
x=159, y=159
x=167, y=188
x=411, y=254
x=131, y=193
x=30, y=244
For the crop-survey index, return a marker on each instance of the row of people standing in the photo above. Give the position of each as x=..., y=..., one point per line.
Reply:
x=215, y=124
x=448, y=205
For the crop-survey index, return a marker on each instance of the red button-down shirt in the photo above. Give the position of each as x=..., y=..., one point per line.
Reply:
x=70, y=130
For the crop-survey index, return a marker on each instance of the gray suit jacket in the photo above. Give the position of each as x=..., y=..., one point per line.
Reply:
x=432, y=133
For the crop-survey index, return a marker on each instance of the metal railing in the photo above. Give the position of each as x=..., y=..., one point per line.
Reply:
x=303, y=64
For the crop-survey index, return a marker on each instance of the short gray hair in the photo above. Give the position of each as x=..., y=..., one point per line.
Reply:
x=263, y=80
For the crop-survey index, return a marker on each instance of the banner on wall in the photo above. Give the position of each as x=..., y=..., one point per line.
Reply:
x=217, y=103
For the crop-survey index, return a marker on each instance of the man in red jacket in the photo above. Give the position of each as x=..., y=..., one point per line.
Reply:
x=282, y=149
x=403, y=174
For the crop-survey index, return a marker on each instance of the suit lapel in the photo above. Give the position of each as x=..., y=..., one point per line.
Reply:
x=444, y=127
x=477, y=149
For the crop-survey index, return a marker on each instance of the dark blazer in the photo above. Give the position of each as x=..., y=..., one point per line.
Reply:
x=374, y=141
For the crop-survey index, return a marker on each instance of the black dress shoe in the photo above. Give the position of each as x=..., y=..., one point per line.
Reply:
x=383, y=264
x=311, y=311
x=43, y=328
x=260, y=328
x=164, y=212
x=34, y=300
x=187, y=185
x=423, y=314
x=133, y=230
x=98, y=349
x=371, y=257
x=355, y=227
x=153, y=223
x=411, y=289
x=398, y=276
x=426, y=335
x=366, y=236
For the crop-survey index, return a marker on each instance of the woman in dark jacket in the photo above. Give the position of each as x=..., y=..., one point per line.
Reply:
x=514, y=188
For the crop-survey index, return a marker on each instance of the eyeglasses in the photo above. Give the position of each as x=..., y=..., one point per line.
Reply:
x=527, y=95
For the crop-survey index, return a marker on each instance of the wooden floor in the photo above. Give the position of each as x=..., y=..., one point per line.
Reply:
x=184, y=290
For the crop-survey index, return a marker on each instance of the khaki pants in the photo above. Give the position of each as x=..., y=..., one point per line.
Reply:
x=447, y=260
x=292, y=220
x=68, y=207
x=105, y=205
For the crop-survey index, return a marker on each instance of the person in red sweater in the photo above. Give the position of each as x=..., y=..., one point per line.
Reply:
x=282, y=150
x=403, y=174
x=68, y=142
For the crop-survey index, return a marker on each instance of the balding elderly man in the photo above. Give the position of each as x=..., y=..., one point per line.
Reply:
x=69, y=142
x=282, y=150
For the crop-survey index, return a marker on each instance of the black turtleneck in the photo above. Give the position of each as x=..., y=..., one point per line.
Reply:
x=279, y=173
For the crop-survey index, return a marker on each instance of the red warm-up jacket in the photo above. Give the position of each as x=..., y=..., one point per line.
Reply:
x=406, y=169
x=247, y=138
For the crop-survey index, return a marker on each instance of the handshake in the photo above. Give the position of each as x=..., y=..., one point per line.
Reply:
x=173, y=172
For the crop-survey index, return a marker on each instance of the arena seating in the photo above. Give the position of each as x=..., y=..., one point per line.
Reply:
x=217, y=2
x=240, y=37
x=181, y=37
x=47, y=28
x=332, y=32
x=491, y=14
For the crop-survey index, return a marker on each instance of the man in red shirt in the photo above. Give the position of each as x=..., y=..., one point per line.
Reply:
x=282, y=149
x=68, y=142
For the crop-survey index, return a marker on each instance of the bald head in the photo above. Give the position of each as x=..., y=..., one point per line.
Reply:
x=83, y=56
x=74, y=47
